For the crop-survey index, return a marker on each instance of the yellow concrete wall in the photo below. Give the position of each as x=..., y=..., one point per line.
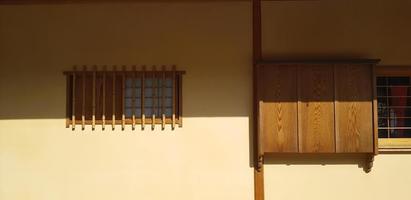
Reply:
x=206, y=159
x=209, y=158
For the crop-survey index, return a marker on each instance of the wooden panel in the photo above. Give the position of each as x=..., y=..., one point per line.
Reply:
x=278, y=108
x=316, y=108
x=353, y=107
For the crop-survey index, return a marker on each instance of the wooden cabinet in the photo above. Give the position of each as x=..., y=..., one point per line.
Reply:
x=316, y=107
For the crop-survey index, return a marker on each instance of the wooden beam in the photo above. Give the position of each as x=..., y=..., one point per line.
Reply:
x=18, y=2
x=257, y=148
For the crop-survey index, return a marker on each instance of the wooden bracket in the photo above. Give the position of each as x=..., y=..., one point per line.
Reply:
x=260, y=162
x=369, y=163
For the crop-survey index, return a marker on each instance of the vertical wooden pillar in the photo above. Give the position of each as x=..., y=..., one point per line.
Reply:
x=257, y=148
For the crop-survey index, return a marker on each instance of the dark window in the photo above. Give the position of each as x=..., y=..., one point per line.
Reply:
x=394, y=106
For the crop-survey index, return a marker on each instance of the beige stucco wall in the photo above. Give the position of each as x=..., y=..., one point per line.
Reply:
x=209, y=158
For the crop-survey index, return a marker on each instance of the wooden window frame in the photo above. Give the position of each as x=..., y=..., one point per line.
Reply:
x=392, y=144
x=73, y=103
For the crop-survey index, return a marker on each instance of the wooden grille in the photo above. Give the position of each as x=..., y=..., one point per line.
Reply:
x=394, y=106
x=125, y=96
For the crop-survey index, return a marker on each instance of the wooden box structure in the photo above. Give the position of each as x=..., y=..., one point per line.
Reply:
x=316, y=107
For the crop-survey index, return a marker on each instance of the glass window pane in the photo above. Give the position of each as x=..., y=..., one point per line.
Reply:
x=169, y=112
x=382, y=133
x=382, y=91
x=148, y=112
x=398, y=81
x=400, y=133
x=381, y=80
x=128, y=112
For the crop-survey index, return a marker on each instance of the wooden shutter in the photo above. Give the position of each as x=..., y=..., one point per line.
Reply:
x=353, y=105
x=278, y=106
x=316, y=108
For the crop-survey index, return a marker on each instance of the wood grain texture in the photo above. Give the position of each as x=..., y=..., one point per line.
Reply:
x=278, y=107
x=316, y=109
x=259, y=184
x=354, y=110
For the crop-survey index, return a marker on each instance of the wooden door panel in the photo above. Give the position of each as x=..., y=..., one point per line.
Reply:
x=316, y=109
x=278, y=108
x=353, y=107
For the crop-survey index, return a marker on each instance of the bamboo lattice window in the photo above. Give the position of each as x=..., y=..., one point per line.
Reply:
x=124, y=97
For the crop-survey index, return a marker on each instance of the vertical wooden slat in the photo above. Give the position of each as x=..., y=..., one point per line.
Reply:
x=73, y=108
x=154, y=99
x=123, y=115
x=173, y=120
x=180, y=101
x=83, y=104
x=113, y=117
x=103, y=125
x=354, y=111
x=336, y=111
x=143, y=116
x=133, y=98
x=317, y=109
x=163, y=90
x=94, y=98
x=298, y=92
x=68, y=96
x=278, y=108
x=375, y=108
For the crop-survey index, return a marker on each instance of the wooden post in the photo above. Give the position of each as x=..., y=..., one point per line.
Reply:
x=257, y=56
x=143, y=116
